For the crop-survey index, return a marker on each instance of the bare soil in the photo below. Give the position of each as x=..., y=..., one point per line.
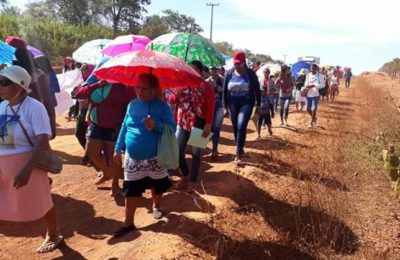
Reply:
x=301, y=194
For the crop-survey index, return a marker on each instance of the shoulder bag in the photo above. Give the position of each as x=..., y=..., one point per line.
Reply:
x=46, y=160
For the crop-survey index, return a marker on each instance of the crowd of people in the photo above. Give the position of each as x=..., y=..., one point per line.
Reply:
x=118, y=127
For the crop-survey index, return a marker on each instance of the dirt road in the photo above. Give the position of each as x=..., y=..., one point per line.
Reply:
x=302, y=194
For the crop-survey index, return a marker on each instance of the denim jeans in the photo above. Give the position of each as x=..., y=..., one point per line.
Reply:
x=284, y=103
x=183, y=137
x=240, y=110
x=312, y=103
x=216, y=128
x=276, y=101
x=271, y=105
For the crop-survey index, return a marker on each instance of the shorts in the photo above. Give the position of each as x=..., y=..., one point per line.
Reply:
x=138, y=187
x=96, y=132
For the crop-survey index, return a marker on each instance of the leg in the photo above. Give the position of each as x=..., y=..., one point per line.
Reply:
x=131, y=203
x=286, y=105
x=53, y=238
x=183, y=137
x=157, y=213
x=81, y=127
x=243, y=119
x=196, y=163
x=259, y=124
x=216, y=129
x=233, y=111
x=115, y=169
x=281, y=104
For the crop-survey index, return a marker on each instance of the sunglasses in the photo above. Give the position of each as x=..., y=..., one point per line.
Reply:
x=5, y=82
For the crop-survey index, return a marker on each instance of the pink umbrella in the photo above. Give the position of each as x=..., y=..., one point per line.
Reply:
x=125, y=43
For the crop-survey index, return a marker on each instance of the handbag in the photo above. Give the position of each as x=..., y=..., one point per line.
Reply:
x=46, y=160
x=168, y=149
x=304, y=91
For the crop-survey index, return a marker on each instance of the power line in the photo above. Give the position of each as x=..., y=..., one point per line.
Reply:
x=212, y=16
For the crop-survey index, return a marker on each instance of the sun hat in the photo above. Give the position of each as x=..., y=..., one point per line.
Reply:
x=303, y=71
x=18, y=75
x=239, y=57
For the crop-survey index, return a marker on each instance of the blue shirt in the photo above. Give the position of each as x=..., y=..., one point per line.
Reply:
x=239, y=85
x=141, y=143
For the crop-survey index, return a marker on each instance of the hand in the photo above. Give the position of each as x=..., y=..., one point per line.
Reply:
x=206, y=130
x=117, y=158
x=22, y=178
x=258, y=110
x=149, y=123
x=102, y=83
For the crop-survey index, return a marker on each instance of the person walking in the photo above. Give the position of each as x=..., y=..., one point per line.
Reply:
x=24, y=133
x=144, y=121
x=241, y=93
x=314, y=81
x=285, y=84
x=194, y=108
x=347, y=77
x=217, y=82
x=299, y=83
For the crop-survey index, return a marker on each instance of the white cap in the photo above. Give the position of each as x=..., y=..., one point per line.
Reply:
x=18, y=75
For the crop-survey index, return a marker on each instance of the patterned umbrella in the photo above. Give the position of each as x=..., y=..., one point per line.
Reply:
x=6, y=53
x=125, y=43
x=188, y=47
x=171, y=72
x=90, y=52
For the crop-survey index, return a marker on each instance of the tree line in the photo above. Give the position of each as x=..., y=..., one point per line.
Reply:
x=59, y=27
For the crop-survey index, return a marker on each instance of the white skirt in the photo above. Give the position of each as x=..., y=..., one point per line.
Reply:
x=298, y=97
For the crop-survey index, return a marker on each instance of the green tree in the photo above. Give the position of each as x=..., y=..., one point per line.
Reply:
x=177, y=22
x=153, y=27
x=6, y=8
x=124, y=14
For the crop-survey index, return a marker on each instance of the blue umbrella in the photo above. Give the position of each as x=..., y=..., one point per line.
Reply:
x=6, y=53
x=296, y=67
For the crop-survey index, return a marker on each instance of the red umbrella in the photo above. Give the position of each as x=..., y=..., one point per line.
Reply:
x=171, y=71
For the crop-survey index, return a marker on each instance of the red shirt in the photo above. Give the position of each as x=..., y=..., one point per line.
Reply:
x=194, y=102
x=107, y=104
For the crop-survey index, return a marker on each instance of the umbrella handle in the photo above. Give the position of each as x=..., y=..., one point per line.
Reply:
x=187, y=48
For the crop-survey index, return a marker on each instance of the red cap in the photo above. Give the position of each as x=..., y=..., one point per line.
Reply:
x=239, y=57
x=17, y=42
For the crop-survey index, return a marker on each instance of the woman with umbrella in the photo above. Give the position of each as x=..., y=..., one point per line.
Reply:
x=241, y=93
x=144, y=121
x=195, y=107
x=107, y=104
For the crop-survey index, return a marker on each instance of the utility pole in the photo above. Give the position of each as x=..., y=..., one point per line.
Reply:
x=212, y=15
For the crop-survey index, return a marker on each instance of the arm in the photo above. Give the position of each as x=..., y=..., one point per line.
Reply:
x=41, y=144
x=209, y=103
x=225, y=95
x=83, y=92
x=120, y=144
x=257, y=92
x=166, y=118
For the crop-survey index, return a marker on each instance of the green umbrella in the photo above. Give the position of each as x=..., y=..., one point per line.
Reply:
x=188, y=47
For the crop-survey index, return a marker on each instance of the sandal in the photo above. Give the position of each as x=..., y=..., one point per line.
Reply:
x=49, y=245
x=157, y=213
x=122, y=231
x=102, y=178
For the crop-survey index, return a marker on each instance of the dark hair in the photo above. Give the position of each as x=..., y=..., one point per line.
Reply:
x=25, y=60
x=198, y=65
x=43, y=63
x=154, y=83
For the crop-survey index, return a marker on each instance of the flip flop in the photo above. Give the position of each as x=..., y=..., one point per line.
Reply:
x=157, y=214
x=122, y=231
x=102, y=179
x=48, y=245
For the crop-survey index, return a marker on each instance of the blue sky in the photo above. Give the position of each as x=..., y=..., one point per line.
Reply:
x=363, y=35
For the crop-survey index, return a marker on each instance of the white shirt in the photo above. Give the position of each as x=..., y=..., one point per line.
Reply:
x=317, y=80
x=33, y=117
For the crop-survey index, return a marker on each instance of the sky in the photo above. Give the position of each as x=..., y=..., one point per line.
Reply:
x=360, y=34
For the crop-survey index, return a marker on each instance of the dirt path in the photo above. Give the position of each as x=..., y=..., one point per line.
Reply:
x=303, y=194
